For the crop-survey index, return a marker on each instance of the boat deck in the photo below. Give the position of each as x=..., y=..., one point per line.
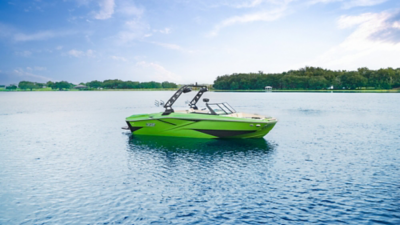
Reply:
x=238, y=114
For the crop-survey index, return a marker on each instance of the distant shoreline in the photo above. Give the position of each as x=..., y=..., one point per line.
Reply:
x=238, y=91
x=319, y=91
x=75, y=90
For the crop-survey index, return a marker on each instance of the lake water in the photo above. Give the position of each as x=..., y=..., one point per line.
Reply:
x=331, y=158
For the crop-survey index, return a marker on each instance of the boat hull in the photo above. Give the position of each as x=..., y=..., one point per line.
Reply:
x=199, y=126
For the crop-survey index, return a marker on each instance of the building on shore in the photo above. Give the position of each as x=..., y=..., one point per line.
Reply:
x=268, y=88
x=80, y=87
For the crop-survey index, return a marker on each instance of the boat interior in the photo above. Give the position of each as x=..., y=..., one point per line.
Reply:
x=235, y=114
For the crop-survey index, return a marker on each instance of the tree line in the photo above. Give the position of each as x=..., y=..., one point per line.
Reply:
x=119, y=84
x=106, y=84
x=312, y=78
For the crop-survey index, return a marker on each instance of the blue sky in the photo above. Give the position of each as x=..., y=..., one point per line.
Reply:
x=185, y=41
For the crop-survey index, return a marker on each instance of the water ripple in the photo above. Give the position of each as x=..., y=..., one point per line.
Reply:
x=332, y=158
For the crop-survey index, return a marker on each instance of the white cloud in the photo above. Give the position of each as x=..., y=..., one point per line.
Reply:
x=129, y=9
x=28, y=75
x=248, y=4
x=5, y=30
x=312, y=2
x=358, y=3
x=160, y=72
x=16, y=35
x=375, y=42
x=347, y=4
x=396, y=24
x=239, y=4
x=42, y=35
x=36, y=68
x=83, y=2
x=371, y=27
x=119, y=58
x=106, y=9
x=34, y=37
x=128, y=36
x=76, y=53
x=24, y=53
x=135, y=25
x=165, y=30
x=90, y=53
x=269, y=15
x=134, y=29
x=171, y=46
x=351, y=21
x=59, y=47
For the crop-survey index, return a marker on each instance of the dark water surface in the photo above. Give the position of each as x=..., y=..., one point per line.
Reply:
x=332, y=158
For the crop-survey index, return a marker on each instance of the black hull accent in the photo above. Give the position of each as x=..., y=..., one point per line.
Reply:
x=226, y=133
x=167, y=122
x=133, y=129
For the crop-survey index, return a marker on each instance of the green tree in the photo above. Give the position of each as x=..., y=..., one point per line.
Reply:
x=11, y=87
x=308, y=78
x=27, y=85
x=151, y=84
x=62, y=85
x=294, y=82
x=317, y=82
x=167, y=84
x=383, y=78
x=353, y=80
x=131, y=84
x=50, y=84
x=234, y=86
x=40, y=85
x=94, y=84
x=112, y=84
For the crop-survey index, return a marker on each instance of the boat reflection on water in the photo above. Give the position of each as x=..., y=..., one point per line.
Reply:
x=198, y=145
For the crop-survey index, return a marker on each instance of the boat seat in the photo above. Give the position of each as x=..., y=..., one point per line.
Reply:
x=193, y=111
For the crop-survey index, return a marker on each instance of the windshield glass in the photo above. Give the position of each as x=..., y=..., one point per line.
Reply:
x=221, y=108
x=229, y=107
x=217, y=109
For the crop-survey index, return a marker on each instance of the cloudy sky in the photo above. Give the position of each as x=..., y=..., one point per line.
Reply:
x=185, y=41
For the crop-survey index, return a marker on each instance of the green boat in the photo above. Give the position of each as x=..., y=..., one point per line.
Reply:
x=217, y=120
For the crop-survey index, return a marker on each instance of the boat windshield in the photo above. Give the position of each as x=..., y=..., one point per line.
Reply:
x=221, y=108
